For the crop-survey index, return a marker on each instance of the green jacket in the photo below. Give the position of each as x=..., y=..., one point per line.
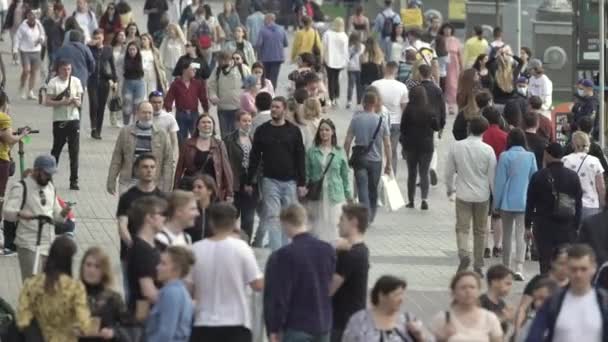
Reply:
x=336, y=178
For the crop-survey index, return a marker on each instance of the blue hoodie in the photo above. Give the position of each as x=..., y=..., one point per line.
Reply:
x=81, y=59
x=513, y=173
x=272, y=40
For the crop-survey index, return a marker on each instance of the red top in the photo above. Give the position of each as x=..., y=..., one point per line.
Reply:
x=497, y=138
x=545, y=128
x=186, y=98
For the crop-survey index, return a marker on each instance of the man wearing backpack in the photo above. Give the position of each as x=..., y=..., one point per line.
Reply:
x=225, y=87
x=550, y=189
x=384, y=24
x=34, y=196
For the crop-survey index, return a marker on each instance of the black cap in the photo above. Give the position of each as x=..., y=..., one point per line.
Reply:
x=555, y=150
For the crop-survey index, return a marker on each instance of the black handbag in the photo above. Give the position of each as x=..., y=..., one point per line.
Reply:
x=316, y=187
x=358, y=157
x=564, y=205
x=115, y=104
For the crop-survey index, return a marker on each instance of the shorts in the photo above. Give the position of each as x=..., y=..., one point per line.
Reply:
x=30, y=58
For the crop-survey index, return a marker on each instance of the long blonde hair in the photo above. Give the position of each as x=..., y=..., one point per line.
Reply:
x=311, y=109
x=178, y=31
x=107, y=278
x=504, y=74
x=338, y=24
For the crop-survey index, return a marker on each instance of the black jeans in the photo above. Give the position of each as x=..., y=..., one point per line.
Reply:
x=548, y=236
x=220, y=334
x=272, y=70
x=10, y=233
x=98, y=96
x=246, y=204
x=67, y=132
x=418, y=162
x=333, y=83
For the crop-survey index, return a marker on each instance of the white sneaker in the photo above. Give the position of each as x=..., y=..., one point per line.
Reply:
x=23, y=94
x=32, y=96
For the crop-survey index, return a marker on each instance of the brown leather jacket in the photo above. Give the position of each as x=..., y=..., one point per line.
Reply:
x=223, y=172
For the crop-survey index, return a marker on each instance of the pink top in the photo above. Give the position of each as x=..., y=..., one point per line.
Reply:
x=268, y=88
x=248, y=102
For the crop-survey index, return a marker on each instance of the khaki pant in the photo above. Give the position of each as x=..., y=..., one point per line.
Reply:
x=26, y=262
x=513, y=240
x=465, y=212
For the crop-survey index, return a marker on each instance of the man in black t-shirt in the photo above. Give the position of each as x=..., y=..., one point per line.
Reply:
x=536, y=142
x=500, y=281
x=146, y=215
x=145, y=169
x=349, y=283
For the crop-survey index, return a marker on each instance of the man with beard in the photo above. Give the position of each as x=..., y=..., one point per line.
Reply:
x=28, y=199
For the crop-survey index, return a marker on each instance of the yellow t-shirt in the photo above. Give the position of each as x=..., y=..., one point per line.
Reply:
x=474, y=47
x=5, y=123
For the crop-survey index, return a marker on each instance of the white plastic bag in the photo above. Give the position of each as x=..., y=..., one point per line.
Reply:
x=392, y=195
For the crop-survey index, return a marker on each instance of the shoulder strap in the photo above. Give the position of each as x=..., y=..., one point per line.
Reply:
x=581, y=165
x=169, y=240
x=24, y=194
x=371, y=143
x=331, y=158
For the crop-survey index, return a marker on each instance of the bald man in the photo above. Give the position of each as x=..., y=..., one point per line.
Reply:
x=141, y=137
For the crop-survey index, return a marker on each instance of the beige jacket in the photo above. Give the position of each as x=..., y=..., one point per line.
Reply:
x=123, y=157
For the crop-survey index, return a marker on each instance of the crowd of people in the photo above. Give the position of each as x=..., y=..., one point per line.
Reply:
x=190, y=188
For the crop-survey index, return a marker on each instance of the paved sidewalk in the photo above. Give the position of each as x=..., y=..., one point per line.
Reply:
x=419, y=246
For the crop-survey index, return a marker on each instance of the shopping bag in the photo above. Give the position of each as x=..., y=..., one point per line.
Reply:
x=392, y=195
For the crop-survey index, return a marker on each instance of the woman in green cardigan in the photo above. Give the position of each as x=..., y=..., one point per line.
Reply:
x=336, y=190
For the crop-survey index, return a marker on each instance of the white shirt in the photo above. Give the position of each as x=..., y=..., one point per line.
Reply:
x=147, y=60
x=87, y=22
x=474, y=164
x=55, y=87
x=26, y=37
x=579, y=319
x=166, y=121
x=587, y=167
x=543, y=88
x=222, y=274
x=335, y=49
x=394, y=94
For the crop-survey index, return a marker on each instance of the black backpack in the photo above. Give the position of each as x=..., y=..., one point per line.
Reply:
x=389, y=24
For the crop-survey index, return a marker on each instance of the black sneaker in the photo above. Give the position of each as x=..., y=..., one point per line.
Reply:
x=410, y=205
x=8, y=252
x=487, y=253
x=433, y=175
x=479, y=271
x=518, y=276
x=424, y=206
x=497, y=252
x=465, y=262
x=74, y=186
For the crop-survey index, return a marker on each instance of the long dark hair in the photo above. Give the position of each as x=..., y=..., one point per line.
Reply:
x=516, y=137
x=59, y=261
x=477, y=64
x=334, y=138
x=208, y=12
x=204, y=115
x=107, y=14
x=258, y=65
x=394, y=33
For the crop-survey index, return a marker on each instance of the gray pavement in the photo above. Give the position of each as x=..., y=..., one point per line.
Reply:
x=418, y=246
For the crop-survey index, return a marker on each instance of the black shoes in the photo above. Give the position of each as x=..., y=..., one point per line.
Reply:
x=95, y=135
x=479, y=272
x=496, y=252
x=433, y=175
x=487, y=253
x=424, y=206
x=410, y=205
x=74, y=186
x=465, y=262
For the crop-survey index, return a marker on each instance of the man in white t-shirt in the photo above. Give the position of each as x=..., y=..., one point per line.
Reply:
x=394, y=96
x=86, y=19
x=225, y=267
x=182, y=212
x=540, y=85
x=578, y=312
x=164, y=121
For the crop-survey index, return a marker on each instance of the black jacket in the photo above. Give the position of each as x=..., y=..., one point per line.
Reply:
x=54, y=34
x=436, y=101
x=516, y=107
x=417, y=130
x=540, y=201
x=105, y=69
x=584, y=106
x=460, y=130
x=594, y=232
x=235, y=155
x=110, y=308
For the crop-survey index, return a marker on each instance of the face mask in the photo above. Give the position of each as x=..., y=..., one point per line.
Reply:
x=523, y=91
x=204, y=135
x=144, y=124
x=580, y=92
x=245, y=131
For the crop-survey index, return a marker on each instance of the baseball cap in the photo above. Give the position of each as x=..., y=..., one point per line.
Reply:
x=522, y=80
x=586, y=83
x=534, y=63
x=556, y=150
x=46, y=163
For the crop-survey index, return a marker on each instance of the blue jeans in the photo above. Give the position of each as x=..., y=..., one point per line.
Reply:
x=227, y=121
x=185, y=122
x=133, y=92
x=276, y=195
x=300, y=336
x=354, y=82
x=588, y=212
x=367, y=186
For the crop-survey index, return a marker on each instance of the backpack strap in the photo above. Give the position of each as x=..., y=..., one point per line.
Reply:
x=24, y=194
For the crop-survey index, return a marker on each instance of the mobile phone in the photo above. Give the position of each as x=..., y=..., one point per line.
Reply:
x=70, y=204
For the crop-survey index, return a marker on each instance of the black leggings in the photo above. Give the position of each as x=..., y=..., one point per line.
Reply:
x=221, y=334
x=333, y=83
x=418, y=162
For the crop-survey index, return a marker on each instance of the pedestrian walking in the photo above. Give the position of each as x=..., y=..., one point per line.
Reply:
x=454, y=67
x=229, y=20
x=327, y=170
x=181, y=214
x=86, y=19
x=465, y=320
x=474, y=46
x=417, y=129
x=28, y=41
x=53, y=299
x=517, y=105
x=384, y=23
x=205, y=191
x=305, y=267
x=372, y=63
x=134, y=86
x=155, y=75
x=100, y=82
x=171, y=48
x=156, y=10
x=553, y=205
x=255, y=22
x=335, y=58
x=171, y=317
x=473, y=188
x=355, y=51
x=591, y=173
x=515, y=168
x=536, y=142
x=204, y=153
x=225, y=267
x=263, y=83
x=545, y=127
x=110, y=23
x=240, y=44
x=370, y=134
x=272, y=39
x=164, y=120
x=541, y=86
x=53, y=24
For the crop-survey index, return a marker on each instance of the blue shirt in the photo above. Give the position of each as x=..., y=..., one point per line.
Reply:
x=81, y=59
x=296, y=293
x=272, y=39
x=171, y=317
x=513, y=173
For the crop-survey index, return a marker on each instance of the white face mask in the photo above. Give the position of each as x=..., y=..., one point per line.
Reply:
x=580, y=92
x=523, y=91
x=205, y=135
